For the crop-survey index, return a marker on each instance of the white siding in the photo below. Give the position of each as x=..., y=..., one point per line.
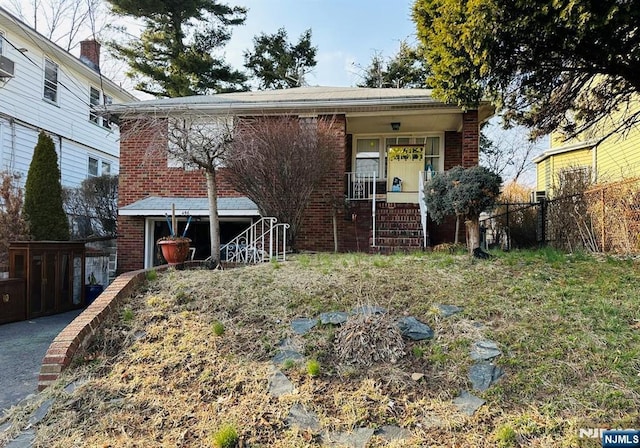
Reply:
x=23, y=111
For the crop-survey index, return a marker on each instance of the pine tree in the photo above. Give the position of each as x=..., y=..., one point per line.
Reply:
x=43, y=194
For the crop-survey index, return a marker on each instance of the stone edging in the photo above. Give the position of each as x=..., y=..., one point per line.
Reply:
x=80, y=331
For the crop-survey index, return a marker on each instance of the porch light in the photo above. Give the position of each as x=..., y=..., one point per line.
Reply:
x=395, y=125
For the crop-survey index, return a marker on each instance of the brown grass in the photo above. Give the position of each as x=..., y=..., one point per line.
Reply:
x=164, y=378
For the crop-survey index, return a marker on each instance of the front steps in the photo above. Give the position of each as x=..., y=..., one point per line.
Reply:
x=398, y=229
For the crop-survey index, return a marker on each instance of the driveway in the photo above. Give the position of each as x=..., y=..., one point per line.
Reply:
x=22, y=347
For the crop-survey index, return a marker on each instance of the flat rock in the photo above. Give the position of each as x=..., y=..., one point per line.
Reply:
x=484, y=350
x=41, y=412
x=417, y=376
x=279, y=384
x=392, y=433
x=483, y=374
x=412, y=328
x=368, y=309
x=24, y=440
x=303, y=325
x=301, y=418
x=284, y=355
x=333, y=318
x=468, y=403
x=358, y=438
x=72, y=386
x=448, y=310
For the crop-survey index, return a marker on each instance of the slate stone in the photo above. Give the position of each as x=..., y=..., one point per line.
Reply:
x=448, y=310
x=333, y=318
x=358, y=438
x=483, y=374
x=392, y=433
x=412, y=328
x=284, y=355
x=368, y=310
x=279, y=384
x=484, y=350
x=24, y=440
x=41, y=412
x=468, y=403
x=303, y=419
x=303, y=325
x=71, y=387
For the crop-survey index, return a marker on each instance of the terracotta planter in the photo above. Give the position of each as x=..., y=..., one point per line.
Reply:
x=175, y=251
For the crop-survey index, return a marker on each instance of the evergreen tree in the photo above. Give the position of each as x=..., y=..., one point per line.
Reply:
x=568, y=65
x=176, y=54
x=278, y=64
x=43, y=208
x=407, y=69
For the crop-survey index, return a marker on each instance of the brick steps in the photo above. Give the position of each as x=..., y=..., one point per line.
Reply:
x=398, y=229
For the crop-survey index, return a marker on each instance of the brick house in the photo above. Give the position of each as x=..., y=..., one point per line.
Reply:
x=386, y=142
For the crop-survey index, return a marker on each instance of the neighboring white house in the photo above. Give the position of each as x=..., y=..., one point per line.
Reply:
x=43, y=87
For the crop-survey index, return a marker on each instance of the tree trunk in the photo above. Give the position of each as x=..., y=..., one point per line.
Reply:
x=455, y=238
x=214, y=222
x=473, y=234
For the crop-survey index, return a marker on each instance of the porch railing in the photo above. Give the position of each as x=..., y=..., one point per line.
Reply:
x=361, y=186
x=423, y=176
x=263, y=241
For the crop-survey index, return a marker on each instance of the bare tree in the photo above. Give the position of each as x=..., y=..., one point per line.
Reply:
x=191, y=140
x=279, y=162
x=508, y=153
x=64, y=22
x=93, y=207
x=13, y=226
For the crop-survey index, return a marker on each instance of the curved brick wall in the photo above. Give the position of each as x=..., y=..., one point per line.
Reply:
x=79, y=332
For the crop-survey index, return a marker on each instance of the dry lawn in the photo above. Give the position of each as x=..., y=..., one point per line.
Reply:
x=160, y=375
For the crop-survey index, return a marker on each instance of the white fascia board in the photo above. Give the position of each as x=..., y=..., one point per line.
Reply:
x=588, y=144
x=185, y=213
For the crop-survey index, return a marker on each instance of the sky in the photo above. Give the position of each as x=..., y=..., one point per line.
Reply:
x=347, y=33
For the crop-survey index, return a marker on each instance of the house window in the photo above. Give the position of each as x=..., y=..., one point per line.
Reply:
x=1, y=43
x=106, y=120
x=93, y=167
x=94, y=101
x=367, y=156
x=106, y=168
x=50, y=81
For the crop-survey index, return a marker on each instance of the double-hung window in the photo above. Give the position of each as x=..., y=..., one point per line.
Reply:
x=97, y=99
x=50, y=81
x=367, y=156
x=94, y=101
x=97, y=167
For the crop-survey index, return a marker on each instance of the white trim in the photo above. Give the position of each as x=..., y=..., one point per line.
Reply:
x=185, y=212
x=588, y=144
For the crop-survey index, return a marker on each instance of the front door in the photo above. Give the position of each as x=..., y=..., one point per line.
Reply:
x=404, y=165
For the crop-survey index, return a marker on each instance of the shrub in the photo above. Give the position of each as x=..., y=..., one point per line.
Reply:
x=13, y=226
x=226, y=437
x=43, y=194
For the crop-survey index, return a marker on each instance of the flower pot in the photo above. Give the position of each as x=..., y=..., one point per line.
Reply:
x=175, y=251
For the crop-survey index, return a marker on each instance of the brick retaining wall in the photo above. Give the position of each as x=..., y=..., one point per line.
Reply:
x=79, y=332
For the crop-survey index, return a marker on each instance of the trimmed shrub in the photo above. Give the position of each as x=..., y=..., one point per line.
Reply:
x=43, y=208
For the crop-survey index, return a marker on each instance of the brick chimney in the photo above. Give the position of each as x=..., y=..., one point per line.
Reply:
x=90, y=53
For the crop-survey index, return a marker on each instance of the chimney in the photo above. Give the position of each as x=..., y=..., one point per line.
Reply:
x=90, y=53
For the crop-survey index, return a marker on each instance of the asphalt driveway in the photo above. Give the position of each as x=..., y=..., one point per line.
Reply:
x=22, y=347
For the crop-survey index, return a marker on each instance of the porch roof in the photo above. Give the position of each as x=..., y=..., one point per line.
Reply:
x=159, y=206
x=309, y=100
